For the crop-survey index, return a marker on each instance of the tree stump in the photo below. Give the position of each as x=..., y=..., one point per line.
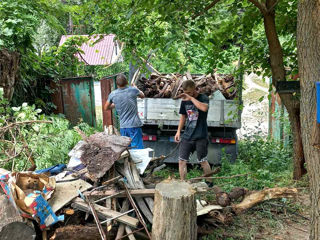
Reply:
x=12, y=225
x=175, y=212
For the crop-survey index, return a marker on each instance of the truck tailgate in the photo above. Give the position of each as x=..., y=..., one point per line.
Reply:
x=165, y=111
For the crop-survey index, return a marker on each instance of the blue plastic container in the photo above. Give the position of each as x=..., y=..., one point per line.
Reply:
x=318, y=101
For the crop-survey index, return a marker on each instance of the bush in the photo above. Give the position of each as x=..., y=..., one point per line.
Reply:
x=30, y=137
x=266, y=161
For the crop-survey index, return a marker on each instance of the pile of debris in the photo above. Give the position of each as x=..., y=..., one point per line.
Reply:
x=100, y=194
x=169, y=85
x=102, y=179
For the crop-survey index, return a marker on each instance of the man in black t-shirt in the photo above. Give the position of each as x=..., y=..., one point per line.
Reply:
x=194, y=110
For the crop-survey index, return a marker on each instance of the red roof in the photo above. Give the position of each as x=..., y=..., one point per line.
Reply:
x=98, y=54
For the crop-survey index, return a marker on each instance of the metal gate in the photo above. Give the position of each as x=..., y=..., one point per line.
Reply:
x=74, y=97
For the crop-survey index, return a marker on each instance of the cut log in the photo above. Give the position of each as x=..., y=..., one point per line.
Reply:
x=12, y=225
x=222, y=197
x=237, y=193
x=169, y=86
x=175, y=213
x=105, y=213
x=267, y=194
x=18, y=231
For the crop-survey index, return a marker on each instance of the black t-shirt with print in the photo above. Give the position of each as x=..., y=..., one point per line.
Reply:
x=196, y=124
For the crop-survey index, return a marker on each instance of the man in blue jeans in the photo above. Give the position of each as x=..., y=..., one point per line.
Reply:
x=124, y=100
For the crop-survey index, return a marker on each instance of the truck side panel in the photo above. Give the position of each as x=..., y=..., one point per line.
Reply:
x=162, y=111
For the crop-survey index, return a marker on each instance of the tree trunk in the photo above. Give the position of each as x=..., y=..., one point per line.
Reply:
x=298, y=157
x=308, y=42
x=290, y=102
x=175, y=212
x=9, y=66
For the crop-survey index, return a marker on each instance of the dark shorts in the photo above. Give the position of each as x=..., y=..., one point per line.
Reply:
x=187, y=147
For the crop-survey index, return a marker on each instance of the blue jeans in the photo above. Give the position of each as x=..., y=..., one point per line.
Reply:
x=136, y=137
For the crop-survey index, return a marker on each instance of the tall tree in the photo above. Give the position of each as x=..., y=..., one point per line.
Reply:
x=218, y=28
x=19, y=21
x=308, y=40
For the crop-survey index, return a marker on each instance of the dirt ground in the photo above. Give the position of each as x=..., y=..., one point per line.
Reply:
x=282, y=219
x=271, y=220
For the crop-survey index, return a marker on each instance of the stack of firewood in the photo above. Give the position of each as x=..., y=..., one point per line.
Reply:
x=170, y=85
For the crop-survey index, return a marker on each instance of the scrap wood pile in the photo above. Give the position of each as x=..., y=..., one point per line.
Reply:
x=170, y=85
x=101, y=195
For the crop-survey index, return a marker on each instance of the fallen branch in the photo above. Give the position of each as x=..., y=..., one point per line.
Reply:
x=224, y=177
x=12, y=125
x=260, y=196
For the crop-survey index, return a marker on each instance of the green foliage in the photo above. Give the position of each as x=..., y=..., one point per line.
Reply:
x=20, y=22
x=47, y=143
x=38, y=71
x=68, y=65
x=20, y=19
x=268, y=163
x=102, y=71
x=186, y=36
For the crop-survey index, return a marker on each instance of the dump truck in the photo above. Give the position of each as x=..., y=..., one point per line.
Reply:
x=160, y=117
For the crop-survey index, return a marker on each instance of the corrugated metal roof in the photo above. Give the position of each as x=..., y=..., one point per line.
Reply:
x=98, y=54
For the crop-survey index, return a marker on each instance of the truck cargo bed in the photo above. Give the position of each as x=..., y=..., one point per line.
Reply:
x=165, y=111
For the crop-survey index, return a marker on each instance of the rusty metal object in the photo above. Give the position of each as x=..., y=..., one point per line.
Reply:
x=75, y=99
x=96, y=219
x=136, y=208
x=106, y=88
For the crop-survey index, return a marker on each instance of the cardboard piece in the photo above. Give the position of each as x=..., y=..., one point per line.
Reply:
x=29, y=192
x=65, y=192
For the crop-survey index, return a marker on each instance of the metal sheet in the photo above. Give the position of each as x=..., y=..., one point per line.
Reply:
x=106, y=88
x=78, y=100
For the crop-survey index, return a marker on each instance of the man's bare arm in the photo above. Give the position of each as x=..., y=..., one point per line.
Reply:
x=181, y=125
x=141, y=94
x=200, y=105
x=109, y=106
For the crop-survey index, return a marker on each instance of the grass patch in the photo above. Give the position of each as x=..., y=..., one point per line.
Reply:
x=266, y=162
x=267, y=220
x=99, y=113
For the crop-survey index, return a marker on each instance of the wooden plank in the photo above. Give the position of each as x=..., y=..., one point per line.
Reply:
x=126, y=171
x=207, y=209
x=134, y=193
x=104, y=213
x=65, y=192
